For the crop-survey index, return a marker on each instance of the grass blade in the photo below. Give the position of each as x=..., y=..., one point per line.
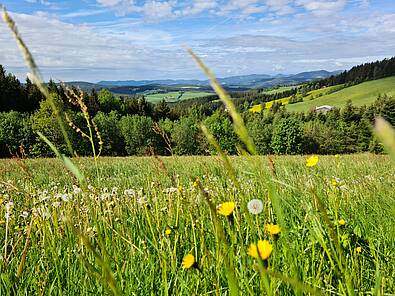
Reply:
x=238, y=121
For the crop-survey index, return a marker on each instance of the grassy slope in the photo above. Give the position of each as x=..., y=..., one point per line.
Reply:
x=172, y=96
x=361, y=94
x=279, y=89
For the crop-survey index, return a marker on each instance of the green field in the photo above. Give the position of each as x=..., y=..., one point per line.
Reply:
x=361, y=94
x=127, y=230
x=175, y=96
x=279, y=89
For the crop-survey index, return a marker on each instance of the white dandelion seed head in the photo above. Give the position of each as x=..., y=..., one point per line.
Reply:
x=141, y=201
x=129, y=192
x=255, y=206
x=9, y=205
x=65, y=197
x=56, y=204
x=170, y=190
x=24, y=214
x=76, y=189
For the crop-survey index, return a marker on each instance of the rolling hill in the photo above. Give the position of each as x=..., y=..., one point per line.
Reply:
x=361, y=94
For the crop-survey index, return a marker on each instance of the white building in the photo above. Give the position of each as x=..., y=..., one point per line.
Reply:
x=323, y=108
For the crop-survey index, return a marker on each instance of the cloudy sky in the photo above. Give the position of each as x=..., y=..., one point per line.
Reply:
x=94, y=40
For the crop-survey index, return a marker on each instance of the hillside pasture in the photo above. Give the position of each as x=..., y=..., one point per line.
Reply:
x=175, y=96
x=360, y=94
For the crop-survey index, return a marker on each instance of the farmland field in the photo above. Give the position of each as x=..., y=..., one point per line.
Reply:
x=128, y=228
x=175, y=96
x=360, y=94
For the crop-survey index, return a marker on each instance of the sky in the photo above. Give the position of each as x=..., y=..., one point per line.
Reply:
x=93, y=40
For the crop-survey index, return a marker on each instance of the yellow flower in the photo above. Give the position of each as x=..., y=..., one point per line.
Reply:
x=168, y=231
x=273, y=229
x=342, y=222
x=2, y=222
x=264, y=248
x=196, y=183
x=334, y=182
x=256, y=108
x=312, y=161
x=226, y=208
x=358, y=250
x=337, y=156
x=188, y=261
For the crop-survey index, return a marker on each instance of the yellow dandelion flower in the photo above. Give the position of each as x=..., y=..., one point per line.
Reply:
x=342, y=222
x=337, y=156
x=226, y=208
x=196, y=183
x=264, y=248
x=188, y=261
x=256, y=108
x=312, y=161
x=334, y=182
x=273, y=229
x=167, y=231
x=358, y=250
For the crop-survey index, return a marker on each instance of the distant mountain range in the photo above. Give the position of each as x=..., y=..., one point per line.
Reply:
x=253, y=80
x=233, y=83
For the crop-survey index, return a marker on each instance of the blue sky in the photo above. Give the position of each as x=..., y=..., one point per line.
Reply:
x=94, y=40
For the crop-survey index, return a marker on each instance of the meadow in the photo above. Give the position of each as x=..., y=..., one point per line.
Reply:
x=175, y=96
x=360, y=94
x=128, y=229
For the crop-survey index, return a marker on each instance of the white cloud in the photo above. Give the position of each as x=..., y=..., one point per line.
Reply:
x=197, y=7
x=109, y=2
x=322, y=7
x=66, y=51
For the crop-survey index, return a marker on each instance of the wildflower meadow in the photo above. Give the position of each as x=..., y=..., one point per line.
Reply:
x=145, y=227
x=207, y=225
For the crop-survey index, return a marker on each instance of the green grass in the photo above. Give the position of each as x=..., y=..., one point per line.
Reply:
x=175, y=96
x=279, y=89
x=76, y=239
x=361, y=94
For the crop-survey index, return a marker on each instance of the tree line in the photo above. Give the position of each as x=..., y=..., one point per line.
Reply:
x=133, y=126
x=276, y=131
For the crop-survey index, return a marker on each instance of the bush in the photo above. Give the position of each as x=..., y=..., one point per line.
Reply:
x=222, y=129
x=15, y=130
x=110, y=130
x=137, y=133
x=187, y=137
x=287, y=136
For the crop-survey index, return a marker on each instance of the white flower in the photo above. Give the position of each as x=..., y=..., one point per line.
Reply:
x=170, y=190
x=76, y=189
x=129, y=192
x=56, y=204
x=65, y=197
x=105, y=196
x=24, y=214
x=141, y=201
x=255, y=206
x=9, y=205
x=114, y=191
